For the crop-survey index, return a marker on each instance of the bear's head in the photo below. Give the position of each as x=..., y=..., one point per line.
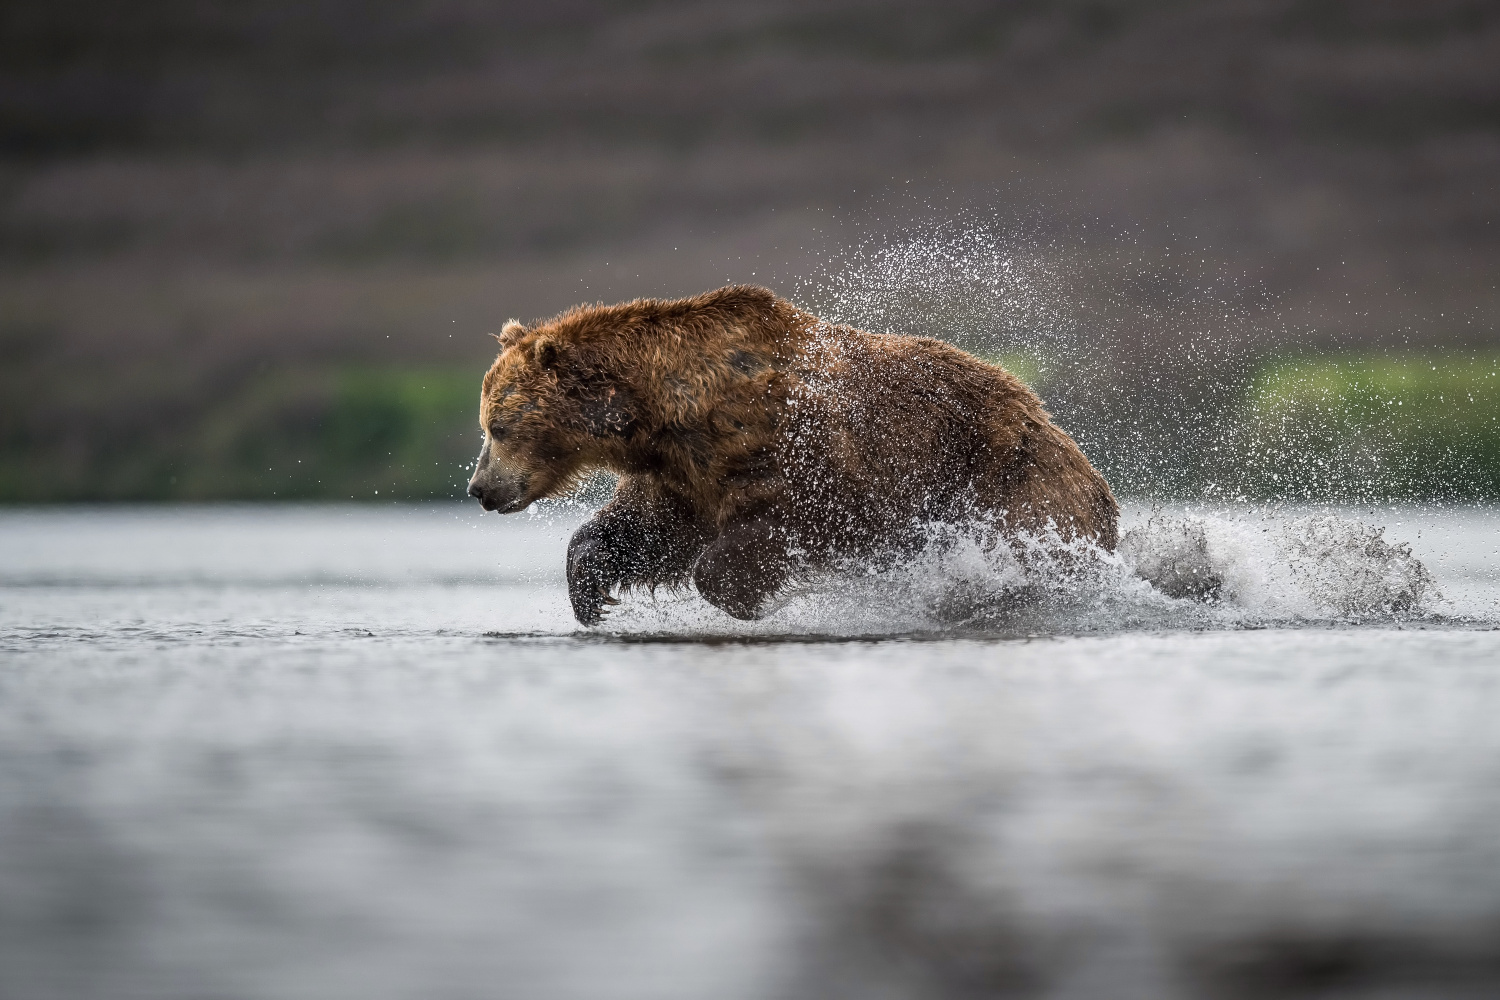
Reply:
x=548, y=410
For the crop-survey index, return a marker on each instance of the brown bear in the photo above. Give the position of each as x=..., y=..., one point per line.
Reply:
x=754, y=441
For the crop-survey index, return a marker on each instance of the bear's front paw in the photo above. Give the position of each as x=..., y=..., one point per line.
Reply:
x=592, y=573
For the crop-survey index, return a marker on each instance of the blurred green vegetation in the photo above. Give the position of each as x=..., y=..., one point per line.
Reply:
x=335, y=433
x=1029, y=367
x=1418, y=426
x=1351, y=428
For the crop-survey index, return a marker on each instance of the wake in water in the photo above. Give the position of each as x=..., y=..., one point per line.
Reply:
x=1314, y=567
x=1177, y=570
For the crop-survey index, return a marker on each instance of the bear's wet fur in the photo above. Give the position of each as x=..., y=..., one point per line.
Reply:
x=754, y=441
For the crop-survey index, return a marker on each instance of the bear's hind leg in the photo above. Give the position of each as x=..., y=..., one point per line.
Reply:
x=743, y=568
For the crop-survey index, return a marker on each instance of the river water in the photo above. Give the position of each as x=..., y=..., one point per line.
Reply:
x=364, y=752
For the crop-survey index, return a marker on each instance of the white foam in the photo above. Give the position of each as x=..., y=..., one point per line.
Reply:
x=1319, y=566
x=1172, y=570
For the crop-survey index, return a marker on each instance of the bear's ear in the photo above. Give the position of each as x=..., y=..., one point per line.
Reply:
x=509, y=334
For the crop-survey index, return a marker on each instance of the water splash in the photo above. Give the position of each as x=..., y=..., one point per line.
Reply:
x=989, y=285
x=1313, y=567
x=1173, y=571
x=1156, y=411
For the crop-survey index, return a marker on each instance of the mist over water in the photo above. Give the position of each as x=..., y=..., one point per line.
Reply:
x=1179, y=380
x=1145, y=367
x=993, y=284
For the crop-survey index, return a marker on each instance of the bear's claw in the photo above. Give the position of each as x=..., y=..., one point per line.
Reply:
x=591, y=572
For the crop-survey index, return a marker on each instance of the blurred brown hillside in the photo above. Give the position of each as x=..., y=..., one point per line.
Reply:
x=195, y=194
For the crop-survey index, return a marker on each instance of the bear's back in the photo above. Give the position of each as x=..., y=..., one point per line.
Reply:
x=886, y=427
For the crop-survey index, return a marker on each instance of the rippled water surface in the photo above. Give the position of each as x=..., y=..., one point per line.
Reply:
x=364, y=752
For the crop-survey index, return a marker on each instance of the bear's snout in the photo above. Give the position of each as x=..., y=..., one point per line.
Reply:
x=498, y=488
x=504, y=496
x=477, y=492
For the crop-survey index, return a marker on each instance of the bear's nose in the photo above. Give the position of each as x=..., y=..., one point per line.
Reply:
x=475, y=491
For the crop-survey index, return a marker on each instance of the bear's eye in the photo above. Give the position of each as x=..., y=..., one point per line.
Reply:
x=497, y=431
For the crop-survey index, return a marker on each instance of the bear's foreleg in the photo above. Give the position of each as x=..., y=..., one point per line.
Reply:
x=741, y=570
x=640, y=538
